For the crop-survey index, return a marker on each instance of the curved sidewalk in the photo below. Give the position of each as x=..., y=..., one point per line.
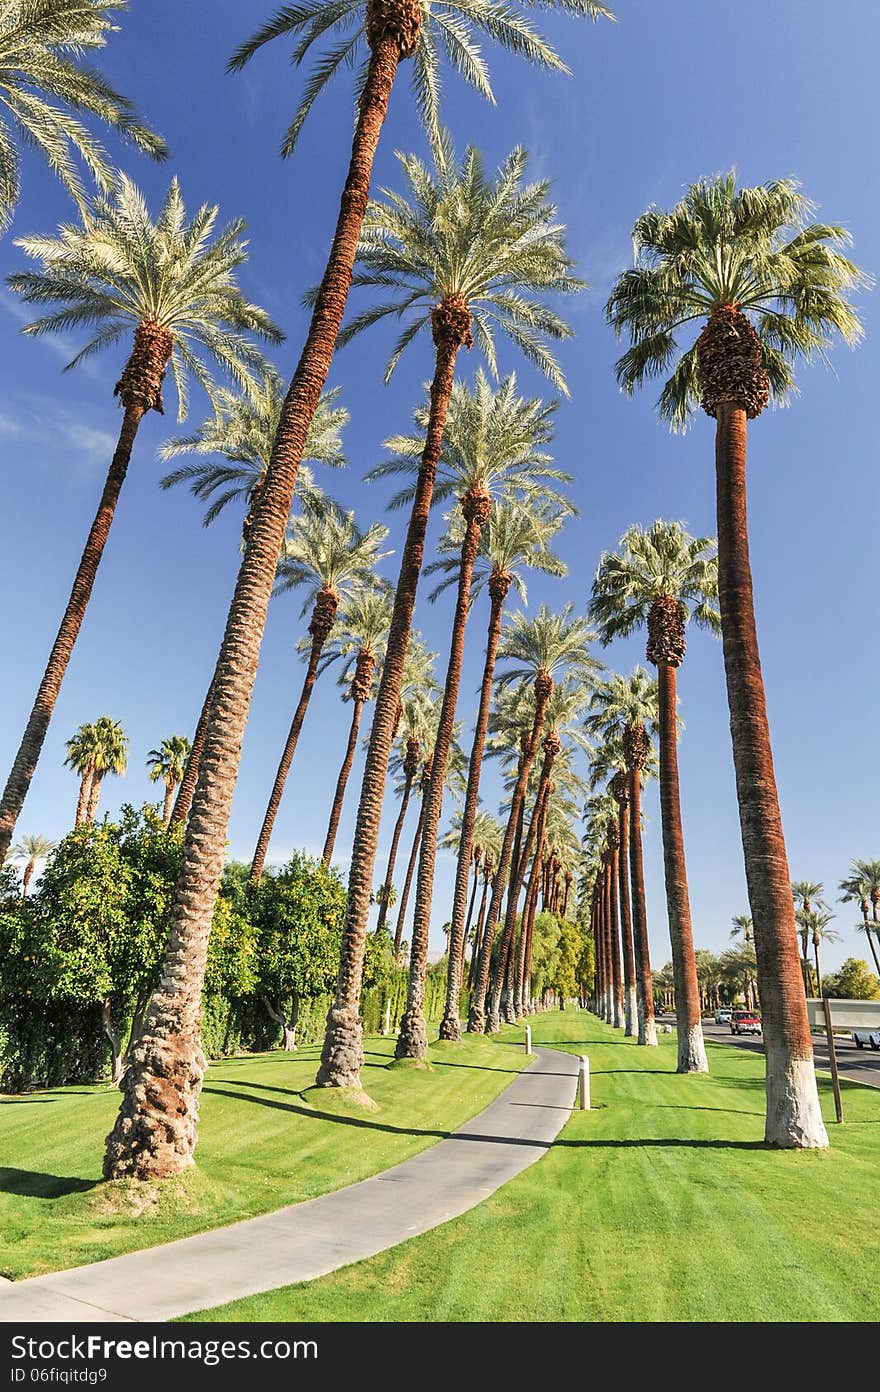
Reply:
x=309, y=1239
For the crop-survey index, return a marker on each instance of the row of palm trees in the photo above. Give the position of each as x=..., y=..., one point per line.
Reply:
x=463, y=255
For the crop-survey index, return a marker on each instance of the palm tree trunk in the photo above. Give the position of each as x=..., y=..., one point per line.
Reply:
x=450, y=1027
x=191, y=772
x=82, y=802
x=689, y=1029
x=342, y=780
x=793, y=1117
x=321, y=623
x=395, y=842
x=641, y=950
x=169, y=799
x=551, y=749
x=818, y=976
x=94, y=796
x=27, y=876
x=413, y=1039
x=478, y=933
x=614, y=916
x=611, y=978
x=155, y=1132
x=529, y=908
x=527, y=1003
x=342, y=1052
x=630, y=1006
x=25, y=761
x=471, y=903
x=407, y=884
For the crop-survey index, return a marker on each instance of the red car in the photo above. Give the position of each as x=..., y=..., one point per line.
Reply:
x=745, y=1022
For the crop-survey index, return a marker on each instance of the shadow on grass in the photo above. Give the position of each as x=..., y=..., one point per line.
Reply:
x=313, y=1114
x=34, y=1185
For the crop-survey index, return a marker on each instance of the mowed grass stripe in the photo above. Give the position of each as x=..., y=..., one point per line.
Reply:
x=660, y=1204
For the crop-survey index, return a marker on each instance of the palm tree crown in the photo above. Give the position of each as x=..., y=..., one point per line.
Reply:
x=752, y=250
x=360, y=631
x=242, y=430
x=43, y=87
x=166, y=764
x=327, y=551
x=449, y=27
x=121, y=270
x=513, y=539
x=546, y=646
x=490, y=244
x=652, y=564
x=623, y=703
x=491, y=443
x=742, y=924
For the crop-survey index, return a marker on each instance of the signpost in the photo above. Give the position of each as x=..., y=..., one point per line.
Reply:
x=832, y=1054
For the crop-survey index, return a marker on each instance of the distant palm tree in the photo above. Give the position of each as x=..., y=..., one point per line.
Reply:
x=658, y=579
x=770, y=287
x=514, y=538
x=491, y=450
x=863, y=886
x=805, y=894
x=541, y=651
x=328, y=556
x=627, y=708
x=358, y=640
x=462, y=255
x=104, y=746
x=80, y=753
x=166, y=765
x=31, y=849
x=173, y=284
x=45, y=85
x=742, y=924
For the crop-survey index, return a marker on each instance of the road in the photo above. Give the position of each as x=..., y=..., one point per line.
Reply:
x=858, y=1065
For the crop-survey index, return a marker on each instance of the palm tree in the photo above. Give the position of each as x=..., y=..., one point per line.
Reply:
x=565, y=706
x=863, y=885
x=489, y=451
x=771, y=288
x=513, y=538
x=659, y=579
x=80, y=751
x=818, y=920
x=742, y=924
x=31, y=849
x=805, y=894
x=173, y=282
x=358, y=640
x=393, y=29
x=44, y=87
x=327, y=555
x=166, y=765
x=627, y=708
x=109, y=746
x=242, y=431
x=462, y=255
x=542, y=650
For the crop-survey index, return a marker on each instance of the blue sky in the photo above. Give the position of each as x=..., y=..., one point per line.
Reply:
x=666, y=95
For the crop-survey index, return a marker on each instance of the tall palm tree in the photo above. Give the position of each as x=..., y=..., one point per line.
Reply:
x=241, y=432
x=109, y=754
x=863, y=886
x=157, y=1137
x=462, y=255
x=806, y=894
x=45, y=88
x=490, y=450
x=512, y=539
x=770, y=287
x=30, y=849
x=416, y=724
x=659, y=578
x=173, y=283
x=358, y=640
x=817, y=920
x=166, y=765
x=328, y=556
x=627, y=708
x=742, y=924
x=541, y=651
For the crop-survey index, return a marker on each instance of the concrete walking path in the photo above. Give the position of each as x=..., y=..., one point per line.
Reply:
x=309, y=1239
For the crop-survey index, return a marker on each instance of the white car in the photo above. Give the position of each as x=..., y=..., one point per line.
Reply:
x=861, y=1037
x=722, y=1017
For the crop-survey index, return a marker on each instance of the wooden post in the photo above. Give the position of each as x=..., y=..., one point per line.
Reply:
x=832, y=1054
x=584, y=1083
x=528, y=1039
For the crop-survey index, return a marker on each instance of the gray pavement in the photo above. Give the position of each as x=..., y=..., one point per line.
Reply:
x=854, y=1064
x=309, y=1239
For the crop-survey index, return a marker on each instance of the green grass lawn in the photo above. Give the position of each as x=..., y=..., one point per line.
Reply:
x=660, y=1204
x=267, y=1138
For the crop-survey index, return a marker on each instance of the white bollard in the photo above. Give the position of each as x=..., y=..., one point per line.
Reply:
x=528, y=1039
x=584, y=1083
x=386, y=1028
